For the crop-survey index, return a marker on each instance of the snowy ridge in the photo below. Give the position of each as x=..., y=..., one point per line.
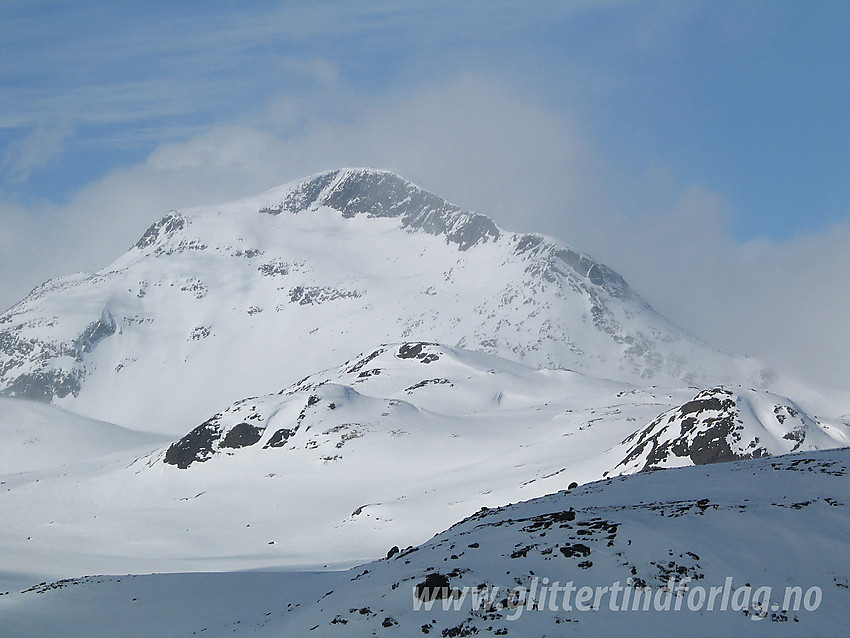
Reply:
x=385, y=194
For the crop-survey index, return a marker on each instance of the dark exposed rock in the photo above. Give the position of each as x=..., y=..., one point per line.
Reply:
x=249, y=253
x=279, y=438
x=381, y=194
x=307, y=295
x=417, y=351
x=200, y=332
x=598, y=274
x=241, y=435
x=528, y=242
x=44, y=386
x=195, y=446
x=46, y=382
x=164, y=228
x=436, y=586
x=303, y=196
x=96, y=332
x=703, y=430
x=462, y=630
x=522, y=552
x=273, y=268
x=425, y=382
x=575, y=550
x=365, y=360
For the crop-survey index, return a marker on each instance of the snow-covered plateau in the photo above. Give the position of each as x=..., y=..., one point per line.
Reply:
x=260, y=399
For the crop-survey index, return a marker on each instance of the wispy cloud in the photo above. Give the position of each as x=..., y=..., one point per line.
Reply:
x=37, y=149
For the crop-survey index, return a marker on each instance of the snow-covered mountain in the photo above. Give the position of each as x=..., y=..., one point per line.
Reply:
x=481, y=367
x=755, y=548
x=215, y=304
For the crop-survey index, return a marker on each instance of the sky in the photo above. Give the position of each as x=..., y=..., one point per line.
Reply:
x=698, y=148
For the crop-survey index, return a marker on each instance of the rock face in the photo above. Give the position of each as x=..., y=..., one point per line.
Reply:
x=383, y=194
x=44, y=380
x=720, y=425
x=214, y=304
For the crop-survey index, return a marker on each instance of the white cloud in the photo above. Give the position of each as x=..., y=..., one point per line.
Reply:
x=780, y=301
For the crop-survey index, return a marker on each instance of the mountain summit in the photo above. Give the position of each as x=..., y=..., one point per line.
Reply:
x=218, y=303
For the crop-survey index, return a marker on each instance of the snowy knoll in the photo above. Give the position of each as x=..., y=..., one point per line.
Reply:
x=720, y=425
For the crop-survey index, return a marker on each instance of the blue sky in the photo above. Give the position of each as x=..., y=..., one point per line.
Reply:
x=627, y=129
x=738, y=96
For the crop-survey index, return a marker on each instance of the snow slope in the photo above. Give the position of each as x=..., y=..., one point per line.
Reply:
x=36, y=436
x=386, y=449
x=215, y=304
x=764, y=523
x=510, y=367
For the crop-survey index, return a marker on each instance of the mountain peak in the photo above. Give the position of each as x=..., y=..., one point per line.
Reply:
x=379, y=193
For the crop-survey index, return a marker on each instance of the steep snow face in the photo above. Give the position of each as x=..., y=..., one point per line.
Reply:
x=720, y=425
x=750, y=529
x=216, y=304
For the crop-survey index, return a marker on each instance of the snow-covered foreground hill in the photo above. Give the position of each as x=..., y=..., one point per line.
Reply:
x=387, y=449
x=737, y=542
x=217, y=304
